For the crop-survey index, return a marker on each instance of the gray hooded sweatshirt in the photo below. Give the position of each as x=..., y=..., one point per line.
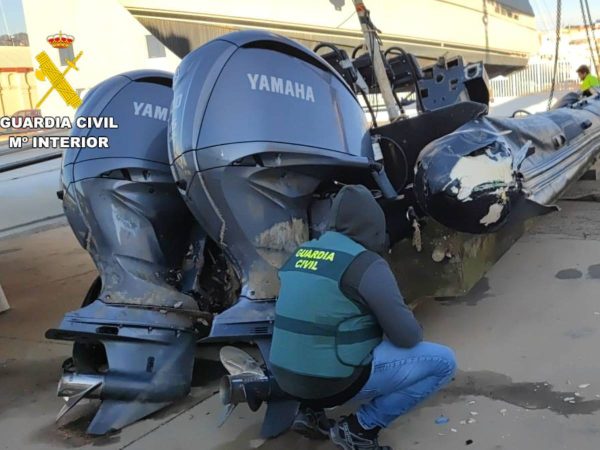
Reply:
x=369, y=279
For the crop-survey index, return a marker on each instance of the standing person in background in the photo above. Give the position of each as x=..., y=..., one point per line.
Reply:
x=589, y=83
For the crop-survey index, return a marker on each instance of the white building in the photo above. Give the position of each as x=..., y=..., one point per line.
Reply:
x=574, y=46
x=111, y=39
x=121, y=35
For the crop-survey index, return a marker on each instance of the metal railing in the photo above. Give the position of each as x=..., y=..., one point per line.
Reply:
x=536, y=77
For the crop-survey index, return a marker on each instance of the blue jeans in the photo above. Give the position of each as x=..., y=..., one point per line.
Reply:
x=401, y=378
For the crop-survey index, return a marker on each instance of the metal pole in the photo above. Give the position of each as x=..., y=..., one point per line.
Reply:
x=372, y=43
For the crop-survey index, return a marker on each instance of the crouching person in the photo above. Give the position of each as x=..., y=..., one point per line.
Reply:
x=338, y=299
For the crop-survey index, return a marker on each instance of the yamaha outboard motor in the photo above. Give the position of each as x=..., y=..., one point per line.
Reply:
x=259, y=126
x=133, y=337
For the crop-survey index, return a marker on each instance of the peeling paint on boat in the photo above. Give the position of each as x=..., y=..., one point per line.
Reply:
x=494, y=214
x=475, y=171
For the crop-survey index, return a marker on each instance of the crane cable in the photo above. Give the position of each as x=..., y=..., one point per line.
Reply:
x=10, y=36
x=556, y=51
x=373, y=44
x=541, y=8
x=590, y=33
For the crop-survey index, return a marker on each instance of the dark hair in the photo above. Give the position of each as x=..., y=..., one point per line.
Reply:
x=583, y=69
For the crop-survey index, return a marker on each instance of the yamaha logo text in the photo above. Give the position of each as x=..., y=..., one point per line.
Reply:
x=277, y=85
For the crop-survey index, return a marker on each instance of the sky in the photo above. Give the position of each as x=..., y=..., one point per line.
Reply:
x=11, y=13
x=11, y=16
x=545, y=12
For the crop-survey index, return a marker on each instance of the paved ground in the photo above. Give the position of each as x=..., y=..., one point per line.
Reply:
x=526, y=340
x=532, y=103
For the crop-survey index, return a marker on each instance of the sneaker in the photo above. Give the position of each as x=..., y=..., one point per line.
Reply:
x=312, y=424
x=348, y=434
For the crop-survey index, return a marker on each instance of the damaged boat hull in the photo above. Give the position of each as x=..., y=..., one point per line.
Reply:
x=469, y=180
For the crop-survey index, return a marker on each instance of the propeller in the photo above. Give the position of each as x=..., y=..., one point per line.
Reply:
x=242, y=368
x=226, y=414
x=72, y=400
x=237, y=362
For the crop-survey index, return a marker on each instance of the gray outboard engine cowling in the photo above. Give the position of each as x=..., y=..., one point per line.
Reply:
x=121, y=201
x=258, y=123
x=133, y=343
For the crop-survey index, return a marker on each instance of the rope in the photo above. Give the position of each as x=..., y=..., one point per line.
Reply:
x=593, y=33
x=543, y=14
x=6, y=23
x=347, y=19
x=485, y=19
x=587, y=33
x=556, y=50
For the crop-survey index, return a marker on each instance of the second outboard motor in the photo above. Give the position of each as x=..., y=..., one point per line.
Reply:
x=133, y=337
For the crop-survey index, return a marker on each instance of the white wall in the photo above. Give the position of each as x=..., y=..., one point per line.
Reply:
x=111, y=39
x=456, y=21
x=574, y=47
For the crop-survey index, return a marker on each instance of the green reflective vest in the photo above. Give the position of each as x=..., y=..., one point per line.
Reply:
x=588, y=82
x=320, y=333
